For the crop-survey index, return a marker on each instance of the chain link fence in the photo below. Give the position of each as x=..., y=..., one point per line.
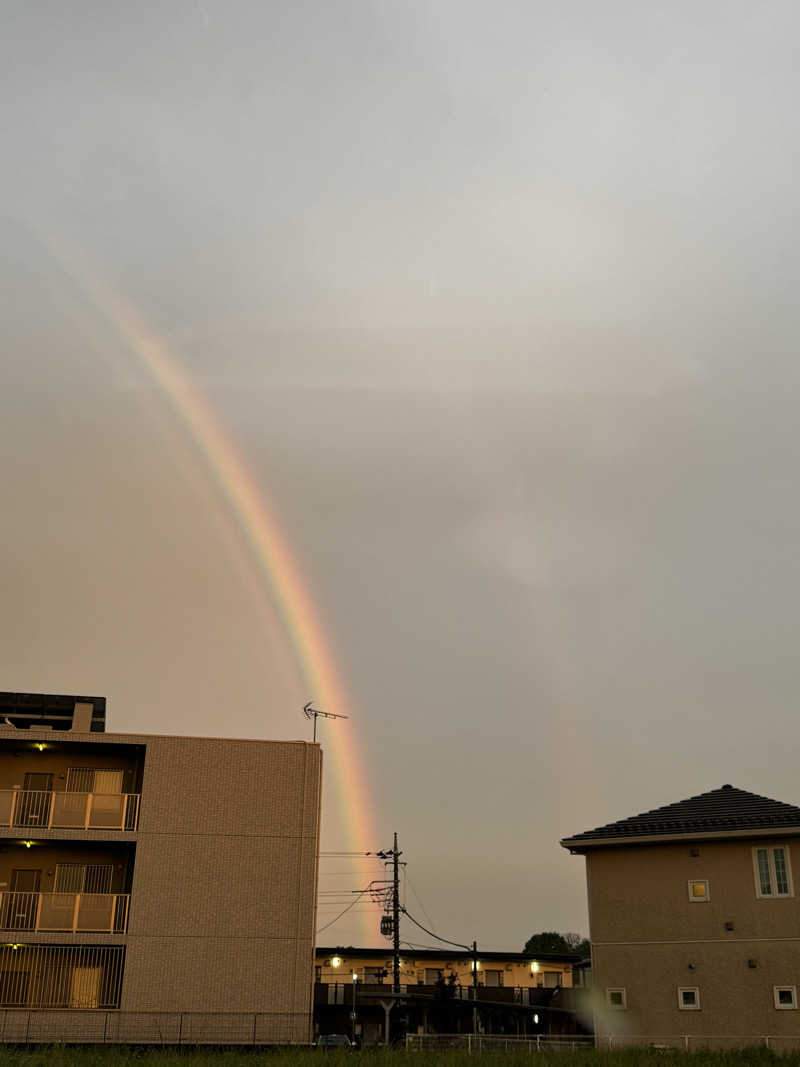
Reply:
x=154, y=1028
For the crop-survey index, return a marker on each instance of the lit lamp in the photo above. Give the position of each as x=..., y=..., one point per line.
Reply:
x=336, y=961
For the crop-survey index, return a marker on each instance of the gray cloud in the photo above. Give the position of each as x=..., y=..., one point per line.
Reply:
x=500, y=309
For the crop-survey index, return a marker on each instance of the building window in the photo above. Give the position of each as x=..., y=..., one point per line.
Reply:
x=699, y=890
x=616, y=998
x=773, y=872
x=432, y=975
x=785, y=997
x=493, y=978
x=689, y=998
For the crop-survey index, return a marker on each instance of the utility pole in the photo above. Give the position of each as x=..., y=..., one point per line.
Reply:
x=475, y=987
x=396, y=917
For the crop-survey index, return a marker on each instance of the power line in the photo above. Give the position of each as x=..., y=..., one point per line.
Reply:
x=417, y=897
x=352, y=904
x=342, y=852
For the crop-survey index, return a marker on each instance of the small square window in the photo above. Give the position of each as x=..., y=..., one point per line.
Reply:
x=785, y=997
x=699, y=889
x=616, y=998
x=689, y=998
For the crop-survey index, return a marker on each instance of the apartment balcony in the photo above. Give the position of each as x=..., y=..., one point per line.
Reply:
x=34, y=810
x=65, y=912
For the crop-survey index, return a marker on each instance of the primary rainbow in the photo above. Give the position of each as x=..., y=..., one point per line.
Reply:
x=268, y=548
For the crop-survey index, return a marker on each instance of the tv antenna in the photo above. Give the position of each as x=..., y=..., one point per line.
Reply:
x=314, y=713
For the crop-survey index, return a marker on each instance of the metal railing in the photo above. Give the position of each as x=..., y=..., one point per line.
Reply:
x=499, y=1042
x=62, y=912
x=342, y=992
x=35, y=810
x=779, y=1043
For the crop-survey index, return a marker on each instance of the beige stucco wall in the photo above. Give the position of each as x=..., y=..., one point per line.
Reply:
x=222, y=914
x=649, y=938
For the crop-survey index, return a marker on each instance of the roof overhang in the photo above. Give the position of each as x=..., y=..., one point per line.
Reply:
x=578, y=846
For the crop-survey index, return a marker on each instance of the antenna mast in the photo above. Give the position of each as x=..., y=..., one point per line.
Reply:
x=314, y=713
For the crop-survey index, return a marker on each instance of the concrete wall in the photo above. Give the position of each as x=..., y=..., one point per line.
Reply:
x=650, y=938
x=222, y=914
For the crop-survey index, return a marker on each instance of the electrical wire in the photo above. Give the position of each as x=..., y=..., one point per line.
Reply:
x=342, y=853
x=416, y=897
x=352, y=904
x=425, y=929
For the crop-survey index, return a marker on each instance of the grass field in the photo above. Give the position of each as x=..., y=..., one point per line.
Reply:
x=59, y=1056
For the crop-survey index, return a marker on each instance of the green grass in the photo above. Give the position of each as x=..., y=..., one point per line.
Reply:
x=59, y=1056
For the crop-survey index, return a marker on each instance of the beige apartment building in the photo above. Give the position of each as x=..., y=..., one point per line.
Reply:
x=695, y=924
x=515, y=993
x=153, y=888
x=425, y=967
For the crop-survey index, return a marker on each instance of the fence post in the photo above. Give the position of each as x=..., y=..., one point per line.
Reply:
x=766, y=1040
x=255, y=1020
x=686, y=1042
x=180, y=1028
x=469, y=1044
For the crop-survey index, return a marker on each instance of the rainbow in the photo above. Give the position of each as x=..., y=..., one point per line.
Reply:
x=265, y=542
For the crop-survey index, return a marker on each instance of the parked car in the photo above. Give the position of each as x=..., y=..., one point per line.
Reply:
x=339, y=1041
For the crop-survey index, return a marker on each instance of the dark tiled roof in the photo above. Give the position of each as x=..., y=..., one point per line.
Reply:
x=719, y=810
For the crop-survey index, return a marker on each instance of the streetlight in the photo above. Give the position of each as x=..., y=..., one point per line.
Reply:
x=353, y=1012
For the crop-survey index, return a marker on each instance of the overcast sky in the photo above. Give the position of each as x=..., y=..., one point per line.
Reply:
x=498, y=302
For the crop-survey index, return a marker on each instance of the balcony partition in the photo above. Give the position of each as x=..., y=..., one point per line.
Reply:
x=30, y=810
x=65, y=912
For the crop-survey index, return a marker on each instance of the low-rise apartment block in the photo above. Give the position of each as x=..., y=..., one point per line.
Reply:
x=695, y=922
x=515, y=993
x=153, y=888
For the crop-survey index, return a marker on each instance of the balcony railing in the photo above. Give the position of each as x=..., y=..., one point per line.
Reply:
x=68, y=811
x=76, y=912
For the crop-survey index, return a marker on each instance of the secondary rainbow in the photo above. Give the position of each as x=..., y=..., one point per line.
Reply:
x=267, y=544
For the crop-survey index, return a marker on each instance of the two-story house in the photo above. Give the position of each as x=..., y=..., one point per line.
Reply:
x=694, y=922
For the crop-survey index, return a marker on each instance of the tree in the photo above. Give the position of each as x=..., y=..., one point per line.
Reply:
x=549, y=942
